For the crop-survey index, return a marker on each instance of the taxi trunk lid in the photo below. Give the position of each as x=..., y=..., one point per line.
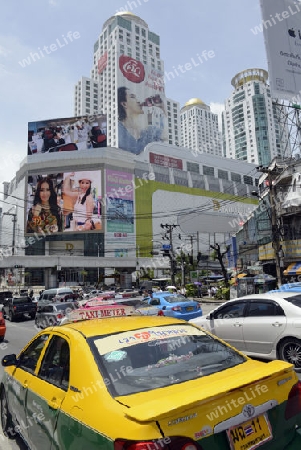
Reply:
x=214, y=403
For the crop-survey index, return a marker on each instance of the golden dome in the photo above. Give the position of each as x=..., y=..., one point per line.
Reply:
x=129, y=15
x=125, y=13
x=194, y=102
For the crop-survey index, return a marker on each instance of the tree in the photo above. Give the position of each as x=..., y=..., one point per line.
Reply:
x=219, y=255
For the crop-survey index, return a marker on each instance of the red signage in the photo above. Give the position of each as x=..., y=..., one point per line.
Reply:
x=131, y=69
x=162, y=160
x=102, y=62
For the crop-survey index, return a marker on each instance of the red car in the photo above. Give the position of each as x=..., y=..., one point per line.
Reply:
x=2, y=327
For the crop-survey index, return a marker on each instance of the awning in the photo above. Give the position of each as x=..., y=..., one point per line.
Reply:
x=293, y=269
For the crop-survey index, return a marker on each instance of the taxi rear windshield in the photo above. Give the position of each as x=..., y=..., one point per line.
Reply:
x=152, y=358
x=176, y=298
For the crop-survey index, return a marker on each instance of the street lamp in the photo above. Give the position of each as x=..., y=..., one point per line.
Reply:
x=98, y=247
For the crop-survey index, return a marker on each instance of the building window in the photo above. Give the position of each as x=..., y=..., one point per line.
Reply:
x=208, y=170
x=235, y=177
x=193, y=167
x=223, y=174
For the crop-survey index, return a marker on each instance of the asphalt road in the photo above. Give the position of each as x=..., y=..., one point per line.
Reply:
x=17, y=335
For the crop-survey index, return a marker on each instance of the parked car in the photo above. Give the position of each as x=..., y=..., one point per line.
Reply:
x=50, y=314
x=137, y=369
x=94, y=293
x=4, y=295
x=2, y=327
x=261, y=325
x=175, y=305
x=18, y=307
x=49, y=294
x=288, y=287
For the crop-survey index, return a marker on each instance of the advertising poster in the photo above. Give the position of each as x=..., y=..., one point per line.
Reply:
x=282, y=33
x=64, y=202
x=68, y=134
x=120, y=203
x=142, y=114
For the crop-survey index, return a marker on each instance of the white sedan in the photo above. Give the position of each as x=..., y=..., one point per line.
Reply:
x=260, y=325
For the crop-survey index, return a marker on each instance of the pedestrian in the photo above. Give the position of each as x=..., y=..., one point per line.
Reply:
x=200, y=290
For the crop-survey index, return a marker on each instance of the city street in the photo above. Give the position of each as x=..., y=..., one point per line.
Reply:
x=17, y=335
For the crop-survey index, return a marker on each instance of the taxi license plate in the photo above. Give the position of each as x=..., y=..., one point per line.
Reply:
x=250, y=435
x=189, y=308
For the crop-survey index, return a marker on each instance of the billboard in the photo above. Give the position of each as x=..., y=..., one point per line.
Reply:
x=281, y=27
x=64, y=202
x=68, y=134
x=120, y=226
x=142, y=113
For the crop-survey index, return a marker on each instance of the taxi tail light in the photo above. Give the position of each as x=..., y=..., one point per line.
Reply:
x=173, y=443
x=160, y=312
x=59, y=316
x=293, y=406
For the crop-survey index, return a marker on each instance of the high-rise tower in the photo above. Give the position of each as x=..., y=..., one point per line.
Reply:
x=127, y=63
x=253, y=126
x=199, y=128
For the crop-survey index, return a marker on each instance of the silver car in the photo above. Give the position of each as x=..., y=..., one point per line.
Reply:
x=260, y=325
x=51, y=314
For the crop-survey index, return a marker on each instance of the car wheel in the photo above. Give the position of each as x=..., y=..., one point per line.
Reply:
x=11, y=316
x=6, y=419
x=290, y=351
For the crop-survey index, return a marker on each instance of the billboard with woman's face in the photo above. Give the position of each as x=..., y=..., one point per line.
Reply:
x=64, y=202
x=142, y=114
x=67, y=134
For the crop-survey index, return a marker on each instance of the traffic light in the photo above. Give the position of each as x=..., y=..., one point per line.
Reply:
x=17, y=266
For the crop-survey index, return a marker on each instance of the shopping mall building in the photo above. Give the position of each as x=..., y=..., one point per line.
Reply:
x=133, y=195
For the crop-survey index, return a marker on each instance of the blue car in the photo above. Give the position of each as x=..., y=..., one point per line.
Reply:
x=175, y=305
x=288, y=287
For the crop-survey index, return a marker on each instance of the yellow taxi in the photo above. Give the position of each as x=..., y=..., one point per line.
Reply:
x=126, y=382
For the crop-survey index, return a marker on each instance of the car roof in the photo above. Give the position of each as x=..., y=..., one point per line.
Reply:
x=112, y=325
x=265, y=296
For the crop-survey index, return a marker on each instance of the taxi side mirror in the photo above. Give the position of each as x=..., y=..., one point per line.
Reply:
x=9, y=360
x=210, y=316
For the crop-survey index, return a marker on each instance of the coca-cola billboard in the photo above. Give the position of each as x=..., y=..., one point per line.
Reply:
x=142, y=112
x=131, y=69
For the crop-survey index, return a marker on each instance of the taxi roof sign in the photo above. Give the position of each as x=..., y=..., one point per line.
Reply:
x=99, y=312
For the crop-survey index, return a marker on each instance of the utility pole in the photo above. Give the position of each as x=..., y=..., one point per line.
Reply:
x=169, y=230
x=14, y=220
x=271, y=173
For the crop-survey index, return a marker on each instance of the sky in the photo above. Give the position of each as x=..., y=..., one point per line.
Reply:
x=215, y=37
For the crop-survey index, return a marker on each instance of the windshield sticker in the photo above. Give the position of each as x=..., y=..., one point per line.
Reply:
x=117, y=355
x=146, y=335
